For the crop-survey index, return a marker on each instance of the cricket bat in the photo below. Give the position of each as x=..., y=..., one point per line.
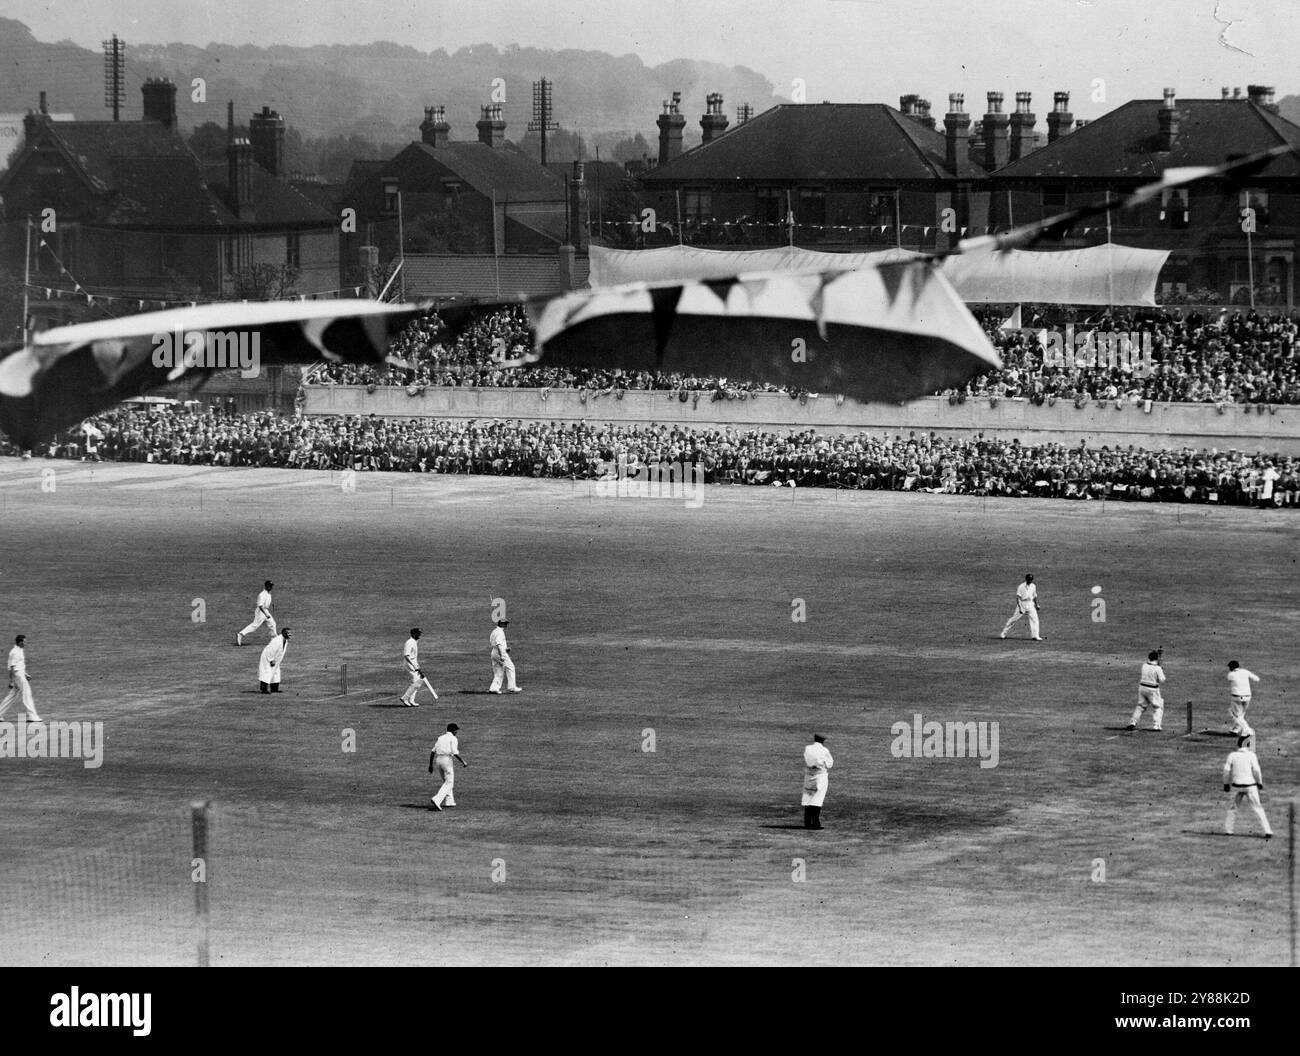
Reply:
x=425, y=679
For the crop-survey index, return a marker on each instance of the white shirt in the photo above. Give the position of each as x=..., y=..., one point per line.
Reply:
x=1026, y=593
x=498, y=642
x=1239, y=681
x=264, y=600
x=1242, y=768
x=817, y=758
x=1152, y=674
x=17, y=661
x=275, y=650
x=446, y=745
x=411, y=654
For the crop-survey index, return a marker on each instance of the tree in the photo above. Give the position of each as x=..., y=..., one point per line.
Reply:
x=266, y=282
x=632, y=149
x=448, y=231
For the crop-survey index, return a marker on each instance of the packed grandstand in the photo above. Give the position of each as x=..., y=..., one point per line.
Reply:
x=1222, y=358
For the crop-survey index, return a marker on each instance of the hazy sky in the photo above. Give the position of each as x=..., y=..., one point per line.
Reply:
x=845, y=50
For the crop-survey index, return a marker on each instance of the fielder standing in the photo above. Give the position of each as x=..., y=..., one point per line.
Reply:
x=502, y=665
x=1149, y=683
x=1239, y=680
x=1026, y=605
x=817, y=763
x=19, y=686
x=271, y=662
x=411, y=664
x=261, y=615
x=1243, y=780
x=446, y=749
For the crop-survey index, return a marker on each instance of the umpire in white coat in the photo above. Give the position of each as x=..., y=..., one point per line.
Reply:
x=817, y=763
x=272, y=659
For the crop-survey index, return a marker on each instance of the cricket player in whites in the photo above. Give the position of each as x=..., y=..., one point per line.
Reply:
x=502, y=665
x=1026, y=605
x=1149, y=683
x=261, y=616
x=411, y=663
x=1239, y=680
x=1243, y=780
x=19, y=687
x=446, y=749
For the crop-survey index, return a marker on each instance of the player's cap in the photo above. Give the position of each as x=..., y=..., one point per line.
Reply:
x=1153, y=655
x=503, y=623
x=819, y=737
x=452, y=727
x=415, y=632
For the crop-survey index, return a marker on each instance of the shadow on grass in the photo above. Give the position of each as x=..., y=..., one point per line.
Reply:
x=796, y=827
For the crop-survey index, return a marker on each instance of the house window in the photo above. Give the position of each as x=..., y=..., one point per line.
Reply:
x=173, y=252
x=880, y=208
x=698, y=204
x=811, y=208
x=1175, y=208
x=390, y=197
x=1256, y=199
x=292, y=249
x=769, y=205
x=1054, y=201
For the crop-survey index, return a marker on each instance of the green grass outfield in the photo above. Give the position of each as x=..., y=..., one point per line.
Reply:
x=572, y=845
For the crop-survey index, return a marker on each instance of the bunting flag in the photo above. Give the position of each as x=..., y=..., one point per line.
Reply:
x=70, y=372
x=893, y=333
x=1013, y=321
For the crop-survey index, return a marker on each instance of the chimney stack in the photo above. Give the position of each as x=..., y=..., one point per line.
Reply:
x=1060, y=119
x=1226, y=92
x=956, y=128
x=1236, y=93
x=239, y=168
x=1262, y=96
x=1167, y=118
x=159, y=101
x=492, y=127
x=996, y=153
x=714, y=122
x=266, y=130
x=671, y=122
x=907, y=104
x=1022, y=128
x=434, y=129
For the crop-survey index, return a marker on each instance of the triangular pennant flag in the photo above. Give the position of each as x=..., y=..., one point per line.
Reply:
x=925, y=232
x=892, y=277
x=141, y=306
x=818, y=302
x=721, y=288
x=663, y=311
x=963, y=231
x=1013, y=320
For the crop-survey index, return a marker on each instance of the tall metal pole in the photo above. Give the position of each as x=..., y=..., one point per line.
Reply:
x=1250, y=267
x=898, y=217
x=401, y=247
x=27, y=275
x=678, y=192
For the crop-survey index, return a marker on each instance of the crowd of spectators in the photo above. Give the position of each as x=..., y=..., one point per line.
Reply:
x=1242, y=357
x=978, y=465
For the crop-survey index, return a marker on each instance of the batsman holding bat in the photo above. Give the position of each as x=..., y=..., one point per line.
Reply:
x=411, y=664
x=1149, y=683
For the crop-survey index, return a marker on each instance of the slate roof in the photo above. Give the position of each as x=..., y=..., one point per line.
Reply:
x=819, y=142
x=1122, y=144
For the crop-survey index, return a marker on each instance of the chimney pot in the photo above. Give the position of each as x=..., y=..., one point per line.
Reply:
x=1058, y=121
x=956, y=103
x=671, y=123
x=491, y=126
x=1169, y=98
x=995, y=102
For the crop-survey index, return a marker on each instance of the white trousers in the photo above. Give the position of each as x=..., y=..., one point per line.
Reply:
x=22, y=691
x=1148, y=697
x=446, y=766
x=259, y=618
x=1250, y=794
x=1032, y=612
x=503, y=668
x=414, y=687
x=1237, y=714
